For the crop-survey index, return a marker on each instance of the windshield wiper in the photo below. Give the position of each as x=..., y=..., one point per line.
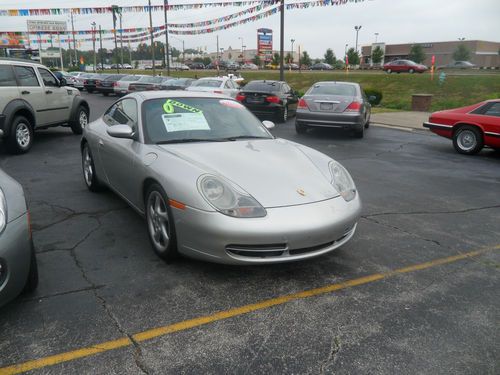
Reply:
x=245, y=137
x=188, y=140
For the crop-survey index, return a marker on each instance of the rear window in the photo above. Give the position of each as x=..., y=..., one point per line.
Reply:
x=337, y=89
x=207, y=83
x=262, y=86
x=130, y=78
x=7, y=76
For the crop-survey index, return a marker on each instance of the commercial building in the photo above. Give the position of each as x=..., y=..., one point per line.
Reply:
x=483, y=54
x=248, y=55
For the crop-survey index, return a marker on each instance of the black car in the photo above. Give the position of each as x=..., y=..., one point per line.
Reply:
x=106, y=86
x=90, y=82
x=177, y=84
x=148, y=83
x=321, y=66
x=197, y=65
x=265, y=98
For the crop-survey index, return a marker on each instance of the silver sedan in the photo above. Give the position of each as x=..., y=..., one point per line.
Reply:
x=336, y=105
x=214, y=184
x=18, y=268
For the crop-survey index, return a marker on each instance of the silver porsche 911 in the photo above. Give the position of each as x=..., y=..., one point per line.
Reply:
x=214, y=184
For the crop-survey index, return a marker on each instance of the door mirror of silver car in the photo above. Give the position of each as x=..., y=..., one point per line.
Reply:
x=62, y=82
x=268, y=124
x=121, y=131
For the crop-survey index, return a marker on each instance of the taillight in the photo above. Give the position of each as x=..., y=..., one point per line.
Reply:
x=240, y=97
x=353, y=107
x=302, y=104
x=85, y=82
x=273, y=99
x=115, y=84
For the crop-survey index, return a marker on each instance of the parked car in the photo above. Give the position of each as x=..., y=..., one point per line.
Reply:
x=398, y=66
x=177, y=84
x=70, y=79
x=121, y=86
x=197, y=194
x=331, y=104
x=321, y=66
x=269, y=98
x=32, y=98
x=90, y=83
x=291, y=66
x=106, y=86
x=127, y=66
x=471, y=128
x=249, y=66
x=147, y=83
x=196, y=65
x=178, y=66
x=18, y=267
x=232, y=65
x=458, y=65
x=78, y=78
x=217, y=85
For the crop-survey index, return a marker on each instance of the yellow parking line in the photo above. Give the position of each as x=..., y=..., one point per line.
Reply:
x=196, y=322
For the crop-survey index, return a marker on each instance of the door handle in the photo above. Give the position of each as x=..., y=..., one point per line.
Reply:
x=48, y=92
x=24, y=92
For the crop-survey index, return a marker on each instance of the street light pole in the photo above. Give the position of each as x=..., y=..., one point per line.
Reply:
x=152, y=37
x=165, y=6
x=282, y=39
x=93, y=45
x=241, y=48
x=357, y=28
x=100, y=50
x=292, y=40
x=121, y=40
x=114, y=9
x=376, y=37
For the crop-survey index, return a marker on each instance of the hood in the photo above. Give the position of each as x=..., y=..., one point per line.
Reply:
x=272, y=171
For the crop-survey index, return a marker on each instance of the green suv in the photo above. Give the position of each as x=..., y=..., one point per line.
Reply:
x=32, y=98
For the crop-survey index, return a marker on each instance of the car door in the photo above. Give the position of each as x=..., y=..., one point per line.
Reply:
x=117, y=155
x=32, y=92
x=58, y=99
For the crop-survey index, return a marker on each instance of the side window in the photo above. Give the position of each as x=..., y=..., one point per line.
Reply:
x=7, y=77
x=123, y=112
x=494, y=110
x=48, y=79
x=26, y=76
x=286, y=88
x=228, y=85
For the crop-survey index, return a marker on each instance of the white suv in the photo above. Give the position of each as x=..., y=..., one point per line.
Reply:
x=31, y=97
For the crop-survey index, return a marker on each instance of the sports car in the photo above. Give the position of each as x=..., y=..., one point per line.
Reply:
x=214, y=184
x=471, y=127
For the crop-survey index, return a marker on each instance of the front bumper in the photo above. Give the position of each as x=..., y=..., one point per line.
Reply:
x=353, y=120
x=286, y=234
x=15, y=254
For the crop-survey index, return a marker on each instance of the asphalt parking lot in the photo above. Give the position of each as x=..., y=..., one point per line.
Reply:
x=415, y=291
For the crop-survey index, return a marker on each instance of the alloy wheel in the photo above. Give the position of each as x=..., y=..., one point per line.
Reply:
x=23, y=136
x=158, y=221
x=466, y=140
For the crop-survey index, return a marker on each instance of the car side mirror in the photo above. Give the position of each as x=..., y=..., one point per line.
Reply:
x=372, y=99
x=268, y=124
x=121, y=131
x=62, y=82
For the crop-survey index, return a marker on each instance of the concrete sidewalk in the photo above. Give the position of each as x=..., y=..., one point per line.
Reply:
x=410, y=121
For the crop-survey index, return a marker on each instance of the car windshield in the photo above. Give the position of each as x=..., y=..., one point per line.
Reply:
x=207, y=83
x=262, y=86
x=180, y=120
x=176, y=82
x=151, y=79
x=130, y=78
x=335, y=89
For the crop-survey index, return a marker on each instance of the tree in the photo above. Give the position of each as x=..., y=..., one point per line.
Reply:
x=305, y=59
x=317, y=61
x=276, y=59
x=330, y=57
x=462, y=53
x=377, y=55
x=256, y=60
x=417, y=54
x=288, y=58
x=353, y=56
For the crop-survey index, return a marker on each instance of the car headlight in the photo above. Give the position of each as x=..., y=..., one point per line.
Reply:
x=229, y=199
x=342, y=181
x=3, y=211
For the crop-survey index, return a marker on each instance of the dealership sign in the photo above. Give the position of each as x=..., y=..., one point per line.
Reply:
x=265, y=44
x=46, y=26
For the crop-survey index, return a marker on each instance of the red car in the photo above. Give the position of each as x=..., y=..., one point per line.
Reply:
x=470, y=127
x=398, y=66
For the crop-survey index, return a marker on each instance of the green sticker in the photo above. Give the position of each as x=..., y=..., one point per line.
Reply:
x=168, y=107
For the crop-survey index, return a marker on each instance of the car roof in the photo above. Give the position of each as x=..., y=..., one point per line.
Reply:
x=336, y=83
x=9, y=61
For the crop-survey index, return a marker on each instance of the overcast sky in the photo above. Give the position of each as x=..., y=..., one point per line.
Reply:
x=315, y=29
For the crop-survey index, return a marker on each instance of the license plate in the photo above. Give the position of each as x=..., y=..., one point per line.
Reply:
x=326, y=106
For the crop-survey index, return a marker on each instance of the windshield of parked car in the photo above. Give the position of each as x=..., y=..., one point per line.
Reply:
x=207, y=83
x=131, y=78
x=177, y=82
x=151, y=79
x=332, y=89
x=262, y=86
x=179, y=120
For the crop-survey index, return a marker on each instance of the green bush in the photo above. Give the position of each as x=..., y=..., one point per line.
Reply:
x=375, y=93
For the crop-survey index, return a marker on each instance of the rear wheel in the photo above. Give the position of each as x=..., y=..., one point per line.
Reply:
x=20, y=138
x=389, y=71
x=468, y=140
x=81, y=120
x=359, y=133
x=105, y=93
x=300, y=128
x=411, y=71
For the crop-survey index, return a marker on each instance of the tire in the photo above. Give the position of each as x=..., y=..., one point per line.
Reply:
x=105, y=93
x=389, y=71
x=32, y=280
x=283, y=115
x=299, y=128
x=81, y=120
x=367, y=124
x=359, y=133
x=468, y=140
x=20, y=138
x=90, y=91
x=88, y=169
x=411, y=71
x=160, y=223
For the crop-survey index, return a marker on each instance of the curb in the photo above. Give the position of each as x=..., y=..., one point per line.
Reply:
x=403, y=128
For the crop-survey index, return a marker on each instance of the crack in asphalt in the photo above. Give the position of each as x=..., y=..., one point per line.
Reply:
x=432, y=212
x=47, y=296
x=399, y=148
x=335, y=346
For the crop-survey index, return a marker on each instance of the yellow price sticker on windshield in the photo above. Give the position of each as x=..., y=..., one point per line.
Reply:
x=168, y=107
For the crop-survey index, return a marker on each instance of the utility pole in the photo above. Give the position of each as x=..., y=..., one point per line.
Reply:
x=100, y=50
x=293, y=41
x=282, y=39
x=152, y=37
x=60, y=50
x=121, y=39
x=93, y=45
x=357, y=28
x=165, y=6
x=217, y=50
x=130, y=53
x=74, y=39
x=114, y=9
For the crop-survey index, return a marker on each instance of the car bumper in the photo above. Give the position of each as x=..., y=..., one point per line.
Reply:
x=333, y=120
x=285, y=234
x=16, y=248
x=109, y=90
x=264, y=110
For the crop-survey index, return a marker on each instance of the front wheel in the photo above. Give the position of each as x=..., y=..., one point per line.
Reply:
x=411, y=71
x=88, y=169
x=468, y=140
x=299, y=128
x=81, y=121
x=160, y=223
x=21, y=136
x=389, y=71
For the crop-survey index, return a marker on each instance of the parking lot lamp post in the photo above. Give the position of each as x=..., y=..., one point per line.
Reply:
x=100, y=49
x=93, y=24
x=357, y=28
x=376, y=37
x=291, y=58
